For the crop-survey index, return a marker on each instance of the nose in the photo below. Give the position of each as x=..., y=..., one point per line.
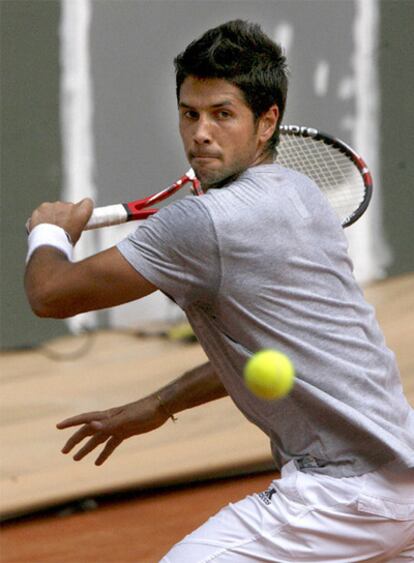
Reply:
x=202, y=132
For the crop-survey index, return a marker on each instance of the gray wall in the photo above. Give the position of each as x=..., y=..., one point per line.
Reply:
x=396, y=65
x=30, y=152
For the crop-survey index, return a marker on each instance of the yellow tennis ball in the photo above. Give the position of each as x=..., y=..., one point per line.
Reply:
x=269, y=374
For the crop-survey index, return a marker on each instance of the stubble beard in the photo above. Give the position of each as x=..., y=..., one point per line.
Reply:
x=214, y=179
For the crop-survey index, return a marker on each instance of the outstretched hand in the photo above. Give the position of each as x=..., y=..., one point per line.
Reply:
x=111, y=427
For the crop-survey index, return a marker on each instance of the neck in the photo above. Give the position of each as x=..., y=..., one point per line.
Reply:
x=264, y=157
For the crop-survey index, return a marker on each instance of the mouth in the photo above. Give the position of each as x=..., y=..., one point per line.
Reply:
x=204, y=156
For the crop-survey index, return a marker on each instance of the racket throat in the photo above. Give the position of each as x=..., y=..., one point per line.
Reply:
x=134, y=214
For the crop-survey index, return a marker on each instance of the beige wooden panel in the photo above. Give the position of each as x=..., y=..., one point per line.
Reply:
x=37, y=392
x=393, y=300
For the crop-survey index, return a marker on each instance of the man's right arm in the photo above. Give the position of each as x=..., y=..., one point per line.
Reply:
x=58, y=288
x=111, y=427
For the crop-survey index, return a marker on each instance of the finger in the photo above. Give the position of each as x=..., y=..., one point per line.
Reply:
x=90, y=445
x=85, y=206
x=80, y=435
x=84, y=418
x=110, y=446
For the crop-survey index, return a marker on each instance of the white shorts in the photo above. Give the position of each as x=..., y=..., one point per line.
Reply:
x=312, y=519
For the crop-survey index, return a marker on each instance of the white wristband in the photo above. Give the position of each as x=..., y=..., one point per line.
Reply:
x=47, y=234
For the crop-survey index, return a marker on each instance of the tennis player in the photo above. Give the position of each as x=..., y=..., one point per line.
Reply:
x=259, y=261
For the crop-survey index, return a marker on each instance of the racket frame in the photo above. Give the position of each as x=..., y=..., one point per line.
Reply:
x=361, y=166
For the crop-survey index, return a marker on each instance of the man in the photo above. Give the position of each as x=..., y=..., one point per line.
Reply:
x=259, y=261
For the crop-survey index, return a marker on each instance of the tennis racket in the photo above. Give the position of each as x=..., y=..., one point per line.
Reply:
x=339, y=172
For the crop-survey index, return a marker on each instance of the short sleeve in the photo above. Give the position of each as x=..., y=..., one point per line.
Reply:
x=176, y=250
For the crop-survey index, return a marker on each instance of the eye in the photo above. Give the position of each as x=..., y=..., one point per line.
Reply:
x=190, y=114
x=224, y=114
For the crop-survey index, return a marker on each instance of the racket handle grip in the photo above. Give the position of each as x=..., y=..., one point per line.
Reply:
x=106, y=216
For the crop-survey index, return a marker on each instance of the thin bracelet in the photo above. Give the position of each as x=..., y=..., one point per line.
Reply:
x=164, y=408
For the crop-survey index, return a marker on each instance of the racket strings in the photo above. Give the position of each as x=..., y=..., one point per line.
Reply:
x=323, y=161
x=331, y=169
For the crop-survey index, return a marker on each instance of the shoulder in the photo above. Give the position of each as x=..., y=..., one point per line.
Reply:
x=184, y=226
x=263, y=186
x=275, y=175
x=265, y=177
x=184, y=218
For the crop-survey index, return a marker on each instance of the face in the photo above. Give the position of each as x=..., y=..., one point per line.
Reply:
x=220, y=135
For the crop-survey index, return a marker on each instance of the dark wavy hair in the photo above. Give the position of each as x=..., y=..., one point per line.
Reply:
x=241, y=53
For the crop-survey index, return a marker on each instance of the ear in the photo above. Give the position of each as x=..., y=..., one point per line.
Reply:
x=268, y=123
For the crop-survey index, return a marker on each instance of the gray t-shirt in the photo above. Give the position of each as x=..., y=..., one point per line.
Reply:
x=263, y=263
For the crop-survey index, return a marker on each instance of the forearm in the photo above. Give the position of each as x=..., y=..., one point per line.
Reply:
x=47, y=282
x=196, y=387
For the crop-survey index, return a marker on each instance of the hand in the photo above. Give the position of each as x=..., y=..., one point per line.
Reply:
x=112, y=426
x=72, y=217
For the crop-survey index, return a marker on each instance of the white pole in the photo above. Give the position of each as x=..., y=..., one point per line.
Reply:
x=368, y=247
x=76, y=122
